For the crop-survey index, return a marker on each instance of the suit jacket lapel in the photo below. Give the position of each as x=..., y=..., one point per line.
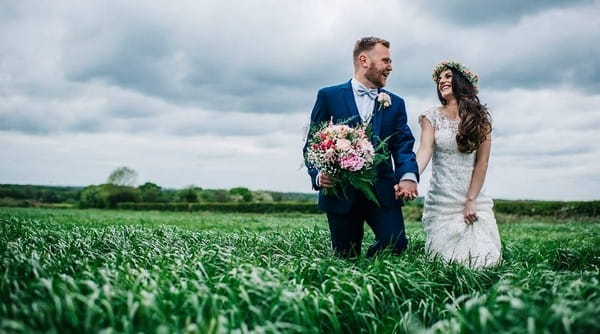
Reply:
x=351, y=107
x=376, y=122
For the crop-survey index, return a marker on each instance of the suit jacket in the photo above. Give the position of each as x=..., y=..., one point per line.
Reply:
x=337, y=103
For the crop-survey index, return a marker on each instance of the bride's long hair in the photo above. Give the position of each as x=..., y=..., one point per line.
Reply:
x=475, y=120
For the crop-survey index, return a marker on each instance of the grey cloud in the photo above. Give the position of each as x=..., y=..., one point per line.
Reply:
x=128, y=55
x=551, y=49
x=489, y=12
x=224, y=154
x=208, y=67
x=24, y=124
x=552, y=67
x=233, y=124
x=591, y=178
x=544, y=152
x=128, y=111
x=524, y=113
x=211, y=86
x=552, y=162
x=191, y=129
x=229, y=69
x=547, y=154
x=122, y=105
x=88, y=126
x=116, y=111
x=145, y=65
x=8, y=10
x=113, y=112
x=32, y=123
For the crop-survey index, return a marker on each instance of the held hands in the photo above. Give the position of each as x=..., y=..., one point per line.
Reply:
x=470, y=212
x=406, y=190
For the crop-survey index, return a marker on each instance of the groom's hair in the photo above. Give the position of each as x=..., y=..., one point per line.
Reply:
x=366, y=44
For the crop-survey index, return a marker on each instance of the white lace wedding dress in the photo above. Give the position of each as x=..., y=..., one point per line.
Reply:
x=447, y=235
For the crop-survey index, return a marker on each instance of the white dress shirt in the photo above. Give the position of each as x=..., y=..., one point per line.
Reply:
x=364, y=102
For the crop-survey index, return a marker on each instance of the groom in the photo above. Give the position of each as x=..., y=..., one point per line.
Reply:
x=355, y=102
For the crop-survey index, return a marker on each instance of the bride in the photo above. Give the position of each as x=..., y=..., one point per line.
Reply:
x=457, y=214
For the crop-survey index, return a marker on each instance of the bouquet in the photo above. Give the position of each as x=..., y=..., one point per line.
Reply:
x=347, y=155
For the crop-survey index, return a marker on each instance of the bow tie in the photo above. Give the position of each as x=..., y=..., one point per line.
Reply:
x=372, y=93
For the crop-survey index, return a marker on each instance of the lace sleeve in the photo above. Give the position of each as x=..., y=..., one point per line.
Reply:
x=430, y=114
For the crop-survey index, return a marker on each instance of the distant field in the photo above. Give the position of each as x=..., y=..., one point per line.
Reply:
x=146, y=271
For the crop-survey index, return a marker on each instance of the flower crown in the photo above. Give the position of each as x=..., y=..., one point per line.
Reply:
x=439, y=68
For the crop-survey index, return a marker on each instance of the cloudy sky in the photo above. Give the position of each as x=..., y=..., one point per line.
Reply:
x=217, y=94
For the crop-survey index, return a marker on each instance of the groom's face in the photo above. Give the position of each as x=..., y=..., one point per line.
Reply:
x=380, y=65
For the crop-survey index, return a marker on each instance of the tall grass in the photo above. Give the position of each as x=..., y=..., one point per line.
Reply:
x=90, y=271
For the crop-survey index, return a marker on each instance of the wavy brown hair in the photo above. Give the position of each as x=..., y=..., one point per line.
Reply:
x=475, y=120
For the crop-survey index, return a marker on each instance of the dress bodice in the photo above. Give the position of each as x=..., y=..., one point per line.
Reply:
x=451, y=170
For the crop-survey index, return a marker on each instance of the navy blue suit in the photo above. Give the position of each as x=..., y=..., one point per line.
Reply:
x=346, y=215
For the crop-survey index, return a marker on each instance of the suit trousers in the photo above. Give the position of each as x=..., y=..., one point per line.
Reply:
x=347, y=230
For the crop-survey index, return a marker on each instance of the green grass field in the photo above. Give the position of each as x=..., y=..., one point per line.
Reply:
x=119, y=271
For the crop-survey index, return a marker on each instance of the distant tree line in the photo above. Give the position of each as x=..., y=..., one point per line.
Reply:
x=120, y=191
x=109, y=195
x=120, y=188
x=42, y=194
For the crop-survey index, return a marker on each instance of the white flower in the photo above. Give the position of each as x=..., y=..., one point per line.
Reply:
x=340, y=128
x=366, y=148
x=343, y=145
x=384, y=100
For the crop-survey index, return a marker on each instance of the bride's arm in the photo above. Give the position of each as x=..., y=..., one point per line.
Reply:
x=479, y=172
x=426, y=144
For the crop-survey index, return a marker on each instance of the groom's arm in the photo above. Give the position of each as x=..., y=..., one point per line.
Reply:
x=401, y=147
x=318, y=115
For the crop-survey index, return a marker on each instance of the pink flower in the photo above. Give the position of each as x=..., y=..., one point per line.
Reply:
x=329, y=155
x=352, y=162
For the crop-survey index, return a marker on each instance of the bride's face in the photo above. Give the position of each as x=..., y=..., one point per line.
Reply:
x=445, y=84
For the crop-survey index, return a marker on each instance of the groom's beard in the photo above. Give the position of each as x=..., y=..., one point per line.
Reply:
x=375, y=76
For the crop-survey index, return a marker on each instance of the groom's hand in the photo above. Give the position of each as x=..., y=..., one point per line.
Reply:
x=406, y=190
x=325, y=181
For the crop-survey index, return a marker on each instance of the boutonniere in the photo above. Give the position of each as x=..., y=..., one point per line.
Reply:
x=384, y=100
